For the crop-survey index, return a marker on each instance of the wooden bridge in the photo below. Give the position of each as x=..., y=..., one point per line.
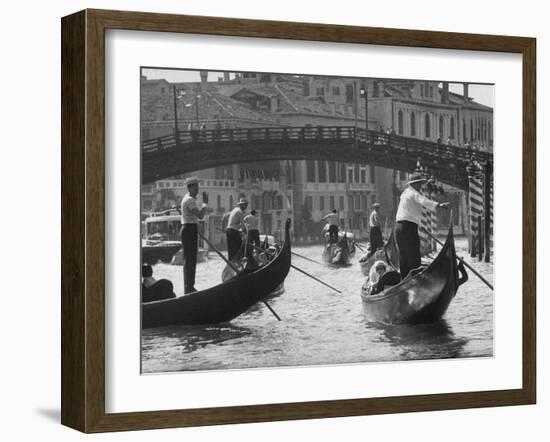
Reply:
x=195, y=150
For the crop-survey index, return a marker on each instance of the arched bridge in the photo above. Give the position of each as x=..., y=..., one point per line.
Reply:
x=195, y=150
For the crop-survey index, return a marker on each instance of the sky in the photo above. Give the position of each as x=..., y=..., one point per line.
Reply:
x=481, y=93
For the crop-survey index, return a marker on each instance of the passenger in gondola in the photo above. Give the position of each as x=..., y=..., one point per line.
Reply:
x=409, y=215
x=235, y=227
x=152, y=289
x=332, y=222
x=190, y=215
x=375, y=234
x=251, y=222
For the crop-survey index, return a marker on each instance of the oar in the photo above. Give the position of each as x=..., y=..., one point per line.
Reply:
x=359, y=247
x=307, y=259
x=306, y=273
x=313, y=277
x=461, y=260
x=230, y=264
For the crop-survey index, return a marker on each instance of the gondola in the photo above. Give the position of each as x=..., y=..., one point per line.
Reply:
x=423, y=296
x=223, y=302
x=389, y=253
x=249, y=257
x=340, y=253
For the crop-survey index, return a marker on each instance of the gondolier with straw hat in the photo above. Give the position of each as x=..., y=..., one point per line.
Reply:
x=190, y=215
x=409, y=215
x=235, y=225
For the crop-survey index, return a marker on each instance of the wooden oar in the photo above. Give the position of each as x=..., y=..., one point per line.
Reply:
x=304, y=272
x=359, y=247
x=461, y=260
x=307, y=259
x=230, y=264
x=313, y=277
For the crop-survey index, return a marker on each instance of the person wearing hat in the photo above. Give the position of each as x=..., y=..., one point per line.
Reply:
x=190, y=215
x=251, y=222
x=409, y=214
x=375, y=234
x=235, y=225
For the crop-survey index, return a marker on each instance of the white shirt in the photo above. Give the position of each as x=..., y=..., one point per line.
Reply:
x=188, y=203
x=374, y=220
x=235, y=220
x=251, y=221
x=410, y=206
x=332, y=219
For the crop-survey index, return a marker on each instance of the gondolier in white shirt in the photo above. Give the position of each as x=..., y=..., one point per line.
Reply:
x=251, y=222
x=190, y=215
x=235, y=225
x=409, y=215
x=332, y=221
x=375, y=233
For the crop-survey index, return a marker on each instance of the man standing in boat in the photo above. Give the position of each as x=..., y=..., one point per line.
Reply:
x=375, y=234
x=332, y=222
x=409, y=215
x=251, y=222
x=190, y=215
x=235, y=225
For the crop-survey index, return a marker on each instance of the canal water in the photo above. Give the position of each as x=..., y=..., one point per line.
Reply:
x=319, y=326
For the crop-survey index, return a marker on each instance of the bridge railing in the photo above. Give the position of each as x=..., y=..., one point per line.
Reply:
x=366, y=140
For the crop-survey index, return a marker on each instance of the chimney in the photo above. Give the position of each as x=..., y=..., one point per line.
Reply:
x=466, y=97
x=204, y=78
x=226, y=76
x=445, y=93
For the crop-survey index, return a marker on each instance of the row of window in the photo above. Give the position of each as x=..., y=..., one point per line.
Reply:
x=357, y=202
x=208, y=183
x=334, y=172
x=480, y=128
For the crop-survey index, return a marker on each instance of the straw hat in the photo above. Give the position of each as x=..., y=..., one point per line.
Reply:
x=417, y=178
x=242, y=201
x=192, y=180
x=376, y=205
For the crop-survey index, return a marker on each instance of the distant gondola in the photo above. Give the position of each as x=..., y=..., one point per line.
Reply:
x=223, y=302
x=339, y=254
x=422, y=297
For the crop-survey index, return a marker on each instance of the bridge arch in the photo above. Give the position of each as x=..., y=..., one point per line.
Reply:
x=193, y=150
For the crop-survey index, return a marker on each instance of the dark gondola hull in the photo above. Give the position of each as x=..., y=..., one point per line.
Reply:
x=223, y=302
x=419, y=299
x=153, y=254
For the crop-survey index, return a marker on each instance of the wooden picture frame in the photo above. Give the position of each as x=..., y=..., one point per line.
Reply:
x=83, y=220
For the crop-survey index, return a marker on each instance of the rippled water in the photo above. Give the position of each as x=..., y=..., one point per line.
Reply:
x=318, y=326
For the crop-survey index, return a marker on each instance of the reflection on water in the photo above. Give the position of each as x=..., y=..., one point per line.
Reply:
x=423, y=341
x=318, y=327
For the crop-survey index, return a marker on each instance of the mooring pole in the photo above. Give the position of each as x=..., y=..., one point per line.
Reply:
x=488, y=211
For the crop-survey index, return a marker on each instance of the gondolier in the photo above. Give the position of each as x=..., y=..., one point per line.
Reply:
x=332, y=222
x=251, y=222
x=375, y=234
x=235, y=225
x=190, y=215
x=409, y=214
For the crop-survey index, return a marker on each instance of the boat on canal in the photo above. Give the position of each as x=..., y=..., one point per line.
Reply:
x=225, y=301
x=389, y=253
x=339, y=254
x=162, y=241
x=256, y=257
x=423, y=296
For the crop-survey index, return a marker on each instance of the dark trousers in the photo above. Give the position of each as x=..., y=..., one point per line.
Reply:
x=376, y=240
x=254, y=237
x=333, y=233
x=190, y=245
x=408, y=242
x=234, y=242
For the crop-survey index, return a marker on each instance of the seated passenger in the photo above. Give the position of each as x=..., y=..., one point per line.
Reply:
x=153, y=290
x=380, y=277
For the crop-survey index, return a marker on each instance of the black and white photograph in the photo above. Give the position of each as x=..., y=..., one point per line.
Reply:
x=292, y=220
